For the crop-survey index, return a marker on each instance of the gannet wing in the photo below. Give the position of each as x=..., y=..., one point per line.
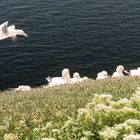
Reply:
x=4, y=28
x=12, y=27
x=3, y=24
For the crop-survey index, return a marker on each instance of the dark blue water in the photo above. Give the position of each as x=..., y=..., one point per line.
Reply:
x=83, y=35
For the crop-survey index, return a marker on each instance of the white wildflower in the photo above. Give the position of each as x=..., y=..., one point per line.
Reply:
x=84, y=138
x=102, y=96
x=43, y=129
x=133, y=122
x=108, y=96
x=68, y=123
x=127, y=128
x=132, y=137
x=36, y=130
x=135, y=100
x=49, y=125
x=124, y=101
x=48, y=139
x=102, y=107
x=85, y=115
x=10, y=136
x=109, y=133
x=88, y=133
x=56, y=131
x=37, y=121
x=121, y=103
x=123, y=127
x=136, y=95
x=82, y=111
x=22, y=123
x=90, y=105
x=101, y=99
x=128, y=109
x=119, y=127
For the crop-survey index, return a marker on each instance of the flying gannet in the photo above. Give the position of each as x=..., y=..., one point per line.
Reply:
x=11, y=31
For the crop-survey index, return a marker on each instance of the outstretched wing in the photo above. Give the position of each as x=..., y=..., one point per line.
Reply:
x=4, y=28
x=12, y=27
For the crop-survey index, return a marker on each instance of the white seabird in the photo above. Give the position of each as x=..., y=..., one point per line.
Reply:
x=119, y=71
x=77, y=78
x=64, y=79
x=135, y=72
x=102, y=75
x=23, y=88
x=11, y=31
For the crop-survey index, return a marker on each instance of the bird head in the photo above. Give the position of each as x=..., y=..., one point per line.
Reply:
x=21, y=32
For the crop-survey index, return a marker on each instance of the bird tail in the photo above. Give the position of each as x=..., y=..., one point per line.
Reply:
x=49, y=79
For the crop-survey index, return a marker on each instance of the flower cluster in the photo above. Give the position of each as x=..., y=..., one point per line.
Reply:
x=130, y=126
x=105, y=119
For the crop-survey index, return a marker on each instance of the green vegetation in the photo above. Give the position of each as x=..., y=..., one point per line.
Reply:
x=101, y=110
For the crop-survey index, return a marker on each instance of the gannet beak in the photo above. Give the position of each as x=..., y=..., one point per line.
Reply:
x=24, y=34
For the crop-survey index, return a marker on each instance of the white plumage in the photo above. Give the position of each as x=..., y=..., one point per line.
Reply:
x=135, y=72
x=119, y=71
x=76, y=78
x=23, y=88
x=55, y=81
x=6, y=32
x=102, y=75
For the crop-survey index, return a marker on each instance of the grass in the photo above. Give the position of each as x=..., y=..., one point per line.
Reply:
x=55, y=104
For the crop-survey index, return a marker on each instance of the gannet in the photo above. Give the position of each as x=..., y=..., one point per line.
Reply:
x=64, y=79
x=119, y=71
x=11, y=31
x=23, y=88
x=102, y=75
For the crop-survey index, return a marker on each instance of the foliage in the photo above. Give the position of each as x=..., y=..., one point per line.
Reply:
x=105, y=110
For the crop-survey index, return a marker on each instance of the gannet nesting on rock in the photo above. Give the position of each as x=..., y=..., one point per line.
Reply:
x=6, y=32
x=102, y=75
x=64, y=79
x=23, y=88
x=119, y=71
